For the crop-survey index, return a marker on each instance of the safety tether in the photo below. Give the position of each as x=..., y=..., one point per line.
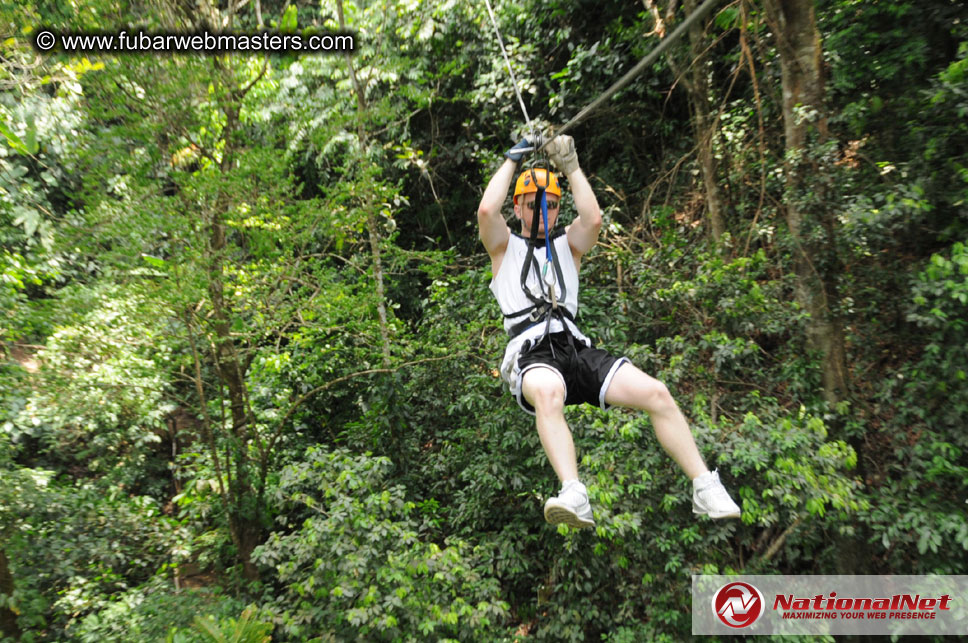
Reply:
x=551, y=274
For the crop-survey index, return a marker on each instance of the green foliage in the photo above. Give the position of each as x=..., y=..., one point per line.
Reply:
x=76, y=549
x=351, y=563
x=806, y=474
x=923, y=484
x=99, y=397
x=244, y=630
x=154, y=611
x=944, y=285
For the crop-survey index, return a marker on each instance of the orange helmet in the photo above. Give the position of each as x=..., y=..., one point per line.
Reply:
x=529, y=180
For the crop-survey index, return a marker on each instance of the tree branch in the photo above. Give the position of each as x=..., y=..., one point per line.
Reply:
x=319, y=389
x=776, y=544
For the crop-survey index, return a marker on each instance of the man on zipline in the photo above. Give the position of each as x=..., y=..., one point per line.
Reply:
x=549, y=362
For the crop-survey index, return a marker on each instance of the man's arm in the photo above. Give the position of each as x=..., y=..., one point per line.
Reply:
x=493, y=229
x=583, y=231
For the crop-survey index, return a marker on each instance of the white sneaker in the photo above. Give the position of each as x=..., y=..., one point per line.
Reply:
x=709, y=496
x=570, y=507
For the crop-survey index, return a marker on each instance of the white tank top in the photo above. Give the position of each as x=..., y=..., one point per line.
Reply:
x=506, y=287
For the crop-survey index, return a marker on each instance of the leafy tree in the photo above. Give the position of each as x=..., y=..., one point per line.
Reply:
x=355, y=567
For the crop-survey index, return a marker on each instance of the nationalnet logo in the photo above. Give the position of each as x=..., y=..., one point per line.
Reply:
x=830, y=605
x=738, y=604
x=898, y=606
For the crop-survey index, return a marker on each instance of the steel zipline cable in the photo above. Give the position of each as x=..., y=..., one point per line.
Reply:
x=699, y=13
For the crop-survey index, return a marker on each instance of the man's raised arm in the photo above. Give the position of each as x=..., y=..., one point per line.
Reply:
x=493, y=229
x=583, y=231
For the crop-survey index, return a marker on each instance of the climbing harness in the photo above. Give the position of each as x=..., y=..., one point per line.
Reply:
x=550, y=288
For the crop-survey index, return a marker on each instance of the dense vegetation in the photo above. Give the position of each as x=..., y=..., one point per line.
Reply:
x=247, y=350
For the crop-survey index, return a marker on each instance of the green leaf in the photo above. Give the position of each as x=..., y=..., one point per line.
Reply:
x=13, y=140
x=154, y=262
x=208, y=626
x=28, y=218
x=31, y=140
x=289, y=21
x=727, y=18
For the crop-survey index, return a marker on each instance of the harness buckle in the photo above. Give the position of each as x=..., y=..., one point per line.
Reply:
x=538, y=313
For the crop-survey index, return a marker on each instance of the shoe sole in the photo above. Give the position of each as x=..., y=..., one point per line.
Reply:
x=555, y=514
x=717, y=516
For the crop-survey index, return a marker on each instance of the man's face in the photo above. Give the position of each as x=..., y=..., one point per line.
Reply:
x=523, y=211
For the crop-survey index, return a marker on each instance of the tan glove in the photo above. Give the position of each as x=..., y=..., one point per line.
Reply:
x=561, y=151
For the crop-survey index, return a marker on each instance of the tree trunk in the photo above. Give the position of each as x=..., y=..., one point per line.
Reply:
x=704, y=121
x=372, y=226
x=8, y=619
x=705, y=124
x=244, y=502
x=809, y=219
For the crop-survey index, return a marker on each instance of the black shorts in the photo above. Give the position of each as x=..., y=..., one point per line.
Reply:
x=585, y=372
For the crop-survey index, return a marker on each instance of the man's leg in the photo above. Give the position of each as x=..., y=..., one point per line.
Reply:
x=545, y=391
x=630, y=387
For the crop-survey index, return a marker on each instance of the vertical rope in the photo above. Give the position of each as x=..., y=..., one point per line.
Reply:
x=507, y=61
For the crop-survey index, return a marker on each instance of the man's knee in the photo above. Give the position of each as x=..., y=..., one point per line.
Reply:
x=633, y=388
x=656, y=397
x=543, y=389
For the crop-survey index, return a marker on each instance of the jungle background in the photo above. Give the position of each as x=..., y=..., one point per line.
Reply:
x=248, y=355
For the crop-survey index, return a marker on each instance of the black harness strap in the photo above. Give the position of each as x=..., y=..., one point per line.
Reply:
x=537, y=313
